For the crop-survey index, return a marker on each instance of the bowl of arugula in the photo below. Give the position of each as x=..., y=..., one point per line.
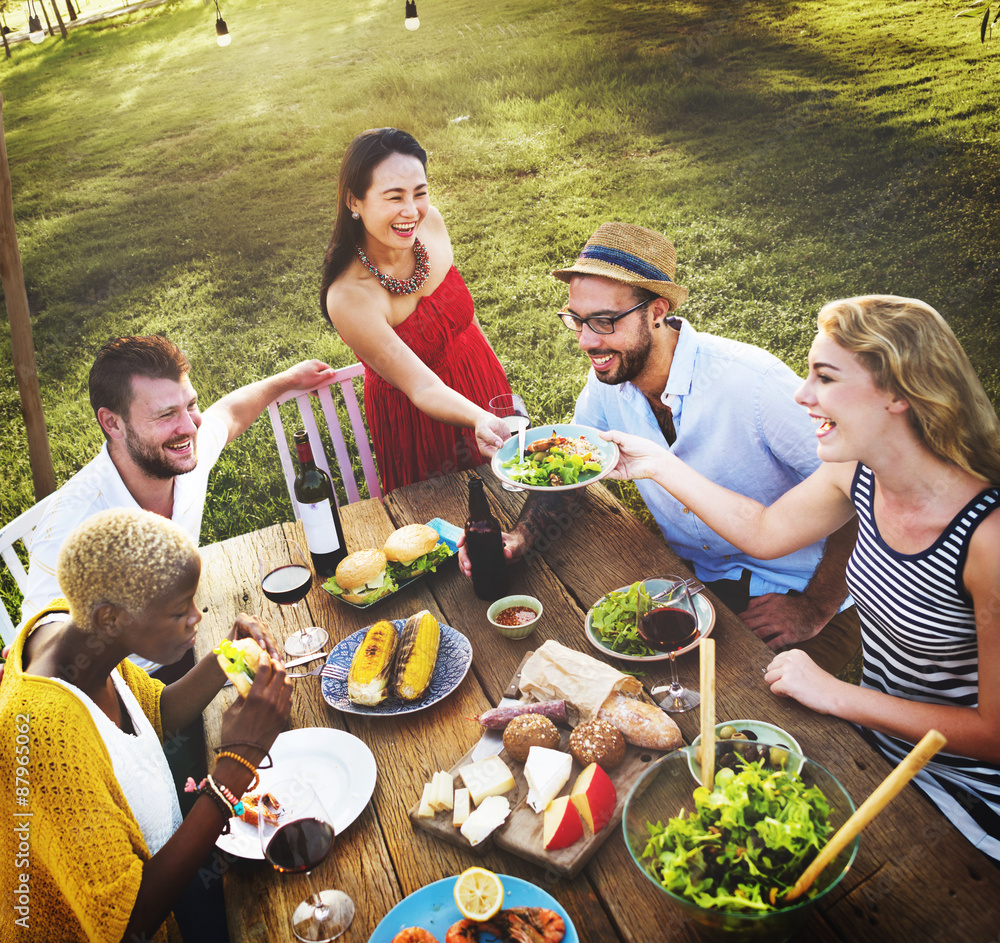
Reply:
x=611, y=628
x=727, y=856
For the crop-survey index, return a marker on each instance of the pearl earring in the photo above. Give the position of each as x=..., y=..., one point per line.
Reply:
x=355, y=215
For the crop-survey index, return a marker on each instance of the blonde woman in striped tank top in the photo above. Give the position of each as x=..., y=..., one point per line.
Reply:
x=911, y=444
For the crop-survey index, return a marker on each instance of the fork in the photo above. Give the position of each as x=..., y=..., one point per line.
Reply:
x=306, y=674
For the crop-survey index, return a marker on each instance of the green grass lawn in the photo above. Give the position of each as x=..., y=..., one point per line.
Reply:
x=794, y=152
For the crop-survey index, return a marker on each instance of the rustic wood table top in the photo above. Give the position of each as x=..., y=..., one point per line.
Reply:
x=915, y=877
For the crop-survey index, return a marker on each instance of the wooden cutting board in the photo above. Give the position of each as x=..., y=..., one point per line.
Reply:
x=521, y=834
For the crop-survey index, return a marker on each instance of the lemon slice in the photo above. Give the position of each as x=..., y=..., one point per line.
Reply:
x=478, y=893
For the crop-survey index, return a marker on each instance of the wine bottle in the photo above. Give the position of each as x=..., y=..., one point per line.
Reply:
x=318, y=508
x=484, y=544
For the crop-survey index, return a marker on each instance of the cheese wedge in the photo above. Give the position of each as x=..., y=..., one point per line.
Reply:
x=442, y=791
x=425, y=810
x=486, y=819
x=462, y=808
x=546, y=772
x=487, y=777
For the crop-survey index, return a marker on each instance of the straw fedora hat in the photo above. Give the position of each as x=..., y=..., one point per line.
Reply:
x=633, y=255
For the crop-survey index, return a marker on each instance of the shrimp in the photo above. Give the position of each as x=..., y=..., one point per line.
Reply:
x=465, y=931
x=528, y=925
x=414, y=935
x=516, y=925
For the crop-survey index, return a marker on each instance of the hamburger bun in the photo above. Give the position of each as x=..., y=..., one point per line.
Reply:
x=408, y=543
x=356, y=569
x=253, y=655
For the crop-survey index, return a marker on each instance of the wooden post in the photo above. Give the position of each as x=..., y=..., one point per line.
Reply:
x=22, y=346
x=62, y=26
x=48, y=22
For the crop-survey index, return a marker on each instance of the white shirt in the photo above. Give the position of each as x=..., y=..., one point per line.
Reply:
x=140, y=766
x=97, y=487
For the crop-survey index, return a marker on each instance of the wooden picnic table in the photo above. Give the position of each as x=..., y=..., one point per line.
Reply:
x=915, y=877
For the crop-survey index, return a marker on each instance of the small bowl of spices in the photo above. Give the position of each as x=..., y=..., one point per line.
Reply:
x=515, y=616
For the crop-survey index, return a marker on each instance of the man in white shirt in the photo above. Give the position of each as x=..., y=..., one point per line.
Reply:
x=159, y=446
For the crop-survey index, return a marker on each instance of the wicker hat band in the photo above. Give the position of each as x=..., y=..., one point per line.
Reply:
x=632, y=255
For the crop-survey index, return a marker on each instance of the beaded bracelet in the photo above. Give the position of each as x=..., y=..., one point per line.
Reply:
x=245, y=762
x=235, y=805
x=249, y=743
x=224, y=799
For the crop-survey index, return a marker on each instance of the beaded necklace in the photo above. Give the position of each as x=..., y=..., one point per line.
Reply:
x=413, y=283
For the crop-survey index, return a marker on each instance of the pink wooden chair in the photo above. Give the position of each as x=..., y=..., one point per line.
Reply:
x=344, y=378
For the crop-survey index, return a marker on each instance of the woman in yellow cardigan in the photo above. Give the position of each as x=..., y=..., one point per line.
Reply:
x=98, y=851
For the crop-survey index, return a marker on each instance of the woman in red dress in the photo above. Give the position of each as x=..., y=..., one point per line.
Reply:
x=400, y=304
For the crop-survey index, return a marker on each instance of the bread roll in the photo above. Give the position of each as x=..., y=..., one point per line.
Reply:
x=253, y=656
x=597, y=742
x=527, y=731
x=642, y=724
x=409, y=542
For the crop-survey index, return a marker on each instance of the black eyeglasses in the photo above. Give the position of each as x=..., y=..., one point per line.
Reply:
x=600, y=324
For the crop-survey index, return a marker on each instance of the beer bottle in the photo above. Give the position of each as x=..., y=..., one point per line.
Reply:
x=484, y=544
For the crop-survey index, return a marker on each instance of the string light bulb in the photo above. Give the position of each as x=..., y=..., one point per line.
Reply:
x=222, y=36
x=412, y=21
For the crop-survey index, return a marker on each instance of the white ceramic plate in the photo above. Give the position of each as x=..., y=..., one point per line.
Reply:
x=608, y=452
x=766, y=733
x=703, y=609
x=338, y=765
x=433, y=908
x=454, y=658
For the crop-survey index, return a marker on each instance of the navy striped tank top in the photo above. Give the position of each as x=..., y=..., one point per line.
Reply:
x=919, y=633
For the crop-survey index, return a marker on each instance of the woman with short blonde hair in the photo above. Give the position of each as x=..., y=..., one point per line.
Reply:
x=110, y=855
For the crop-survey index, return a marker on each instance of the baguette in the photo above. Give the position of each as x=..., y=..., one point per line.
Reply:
x=641, y=724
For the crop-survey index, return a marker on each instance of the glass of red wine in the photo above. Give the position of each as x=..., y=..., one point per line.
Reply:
x=668, y=622
x=285, y=578
x=296, y=834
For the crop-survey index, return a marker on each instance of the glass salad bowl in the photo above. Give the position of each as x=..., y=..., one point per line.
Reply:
x=666, y=791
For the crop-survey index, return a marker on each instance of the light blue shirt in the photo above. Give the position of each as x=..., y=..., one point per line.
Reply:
x=738, y=424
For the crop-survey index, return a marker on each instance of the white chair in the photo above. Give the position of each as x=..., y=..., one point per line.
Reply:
x=344, y=378
x=19, y=529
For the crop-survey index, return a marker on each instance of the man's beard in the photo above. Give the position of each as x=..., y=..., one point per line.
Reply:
x=152, y=462
x=630, y=362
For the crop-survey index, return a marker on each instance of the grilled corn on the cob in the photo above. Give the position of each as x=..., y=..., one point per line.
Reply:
x=417, y=656
x=368, y=679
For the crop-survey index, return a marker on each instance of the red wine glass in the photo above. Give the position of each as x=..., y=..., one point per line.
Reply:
x=296, y=834
x=667, y=621
x=285, y=579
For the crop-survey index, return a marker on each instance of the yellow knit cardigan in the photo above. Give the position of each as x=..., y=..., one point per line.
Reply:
x=84, y=847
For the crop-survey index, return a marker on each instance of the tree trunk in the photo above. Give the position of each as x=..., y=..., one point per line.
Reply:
x=62, y=27
x=70, y=10
x=22, y=346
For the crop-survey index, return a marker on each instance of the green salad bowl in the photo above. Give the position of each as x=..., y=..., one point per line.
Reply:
x=665, y=790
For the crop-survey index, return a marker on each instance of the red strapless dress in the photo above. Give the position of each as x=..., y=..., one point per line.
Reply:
x=410, y=446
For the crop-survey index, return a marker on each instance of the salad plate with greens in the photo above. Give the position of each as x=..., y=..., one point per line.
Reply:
x=559, y=457
x=611, y=625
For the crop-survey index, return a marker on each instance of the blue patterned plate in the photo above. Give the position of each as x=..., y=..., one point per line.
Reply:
x=454, y=658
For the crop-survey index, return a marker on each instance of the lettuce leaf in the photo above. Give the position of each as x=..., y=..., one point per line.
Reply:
x=428, y=563
x=747, y=842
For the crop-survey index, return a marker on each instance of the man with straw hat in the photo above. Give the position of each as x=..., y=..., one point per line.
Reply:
x=727, y=409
